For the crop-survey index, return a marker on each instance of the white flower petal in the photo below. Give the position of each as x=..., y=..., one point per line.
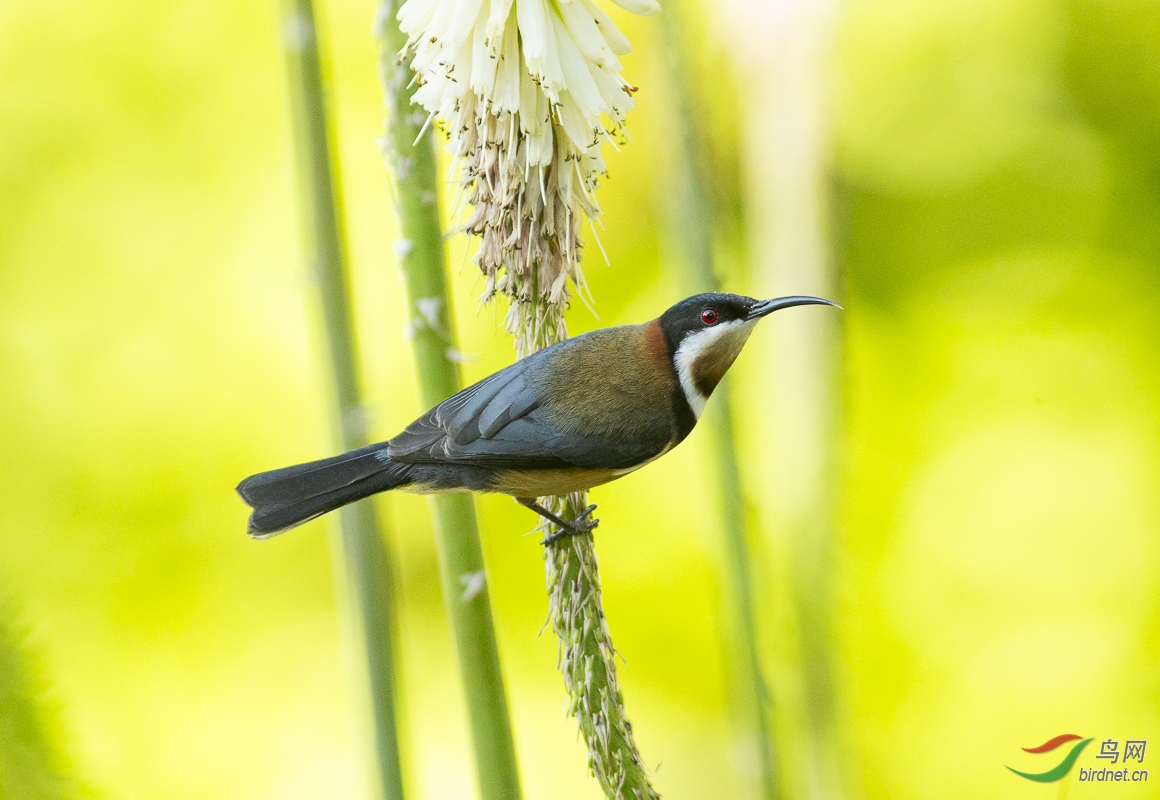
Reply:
x=441, y=21
x=462, y=22
x=533, y=21
x=617, y=41
x=645, y=8
x=415, y=15
x=617, y=102
x=483, y=61
x=581, y=88
x=536, y=27
x=497, y=20
x=586, y=33
x=574, y=123
x=506, y=95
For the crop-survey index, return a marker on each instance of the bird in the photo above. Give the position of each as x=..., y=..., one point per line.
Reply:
x=575, y=415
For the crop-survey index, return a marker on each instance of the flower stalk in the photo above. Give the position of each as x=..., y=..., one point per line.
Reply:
x=365, y=559
x=691, y=230
x=528, y=91
x=409, y=153
x=787, y=143
x=586, y=658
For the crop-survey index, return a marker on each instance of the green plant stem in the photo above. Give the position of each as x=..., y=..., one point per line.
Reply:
x=587, y=660
x=787, y=142
x=367, y=565
x=30, y=766
x=691, y=230
x=420, y=255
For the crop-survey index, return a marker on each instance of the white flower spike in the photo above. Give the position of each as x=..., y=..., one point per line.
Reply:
x=528, y=91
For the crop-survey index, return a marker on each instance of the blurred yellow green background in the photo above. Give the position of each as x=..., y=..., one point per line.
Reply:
x=994, y=196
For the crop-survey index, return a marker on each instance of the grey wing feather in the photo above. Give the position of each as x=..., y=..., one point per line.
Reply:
x=532, y=441
x=513, y=401
x=499, y=422
x=416, y=439
x=479, y=410
x=457, y=415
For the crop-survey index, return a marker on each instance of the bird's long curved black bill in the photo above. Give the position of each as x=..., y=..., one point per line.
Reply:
x=769, y=306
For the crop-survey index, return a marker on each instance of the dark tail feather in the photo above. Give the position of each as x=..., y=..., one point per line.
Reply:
x=285, y=498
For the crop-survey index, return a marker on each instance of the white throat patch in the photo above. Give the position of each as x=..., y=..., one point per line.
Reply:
x=730, y=336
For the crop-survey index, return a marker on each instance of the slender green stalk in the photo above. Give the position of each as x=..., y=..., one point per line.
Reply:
x=691, y=221
x=788, y=142
x=367, y=565
x=29, y=765
x=420, y=254
x=587, y=660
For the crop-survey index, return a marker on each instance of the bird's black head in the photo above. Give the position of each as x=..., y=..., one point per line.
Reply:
x=701, y=312
x=705, y=332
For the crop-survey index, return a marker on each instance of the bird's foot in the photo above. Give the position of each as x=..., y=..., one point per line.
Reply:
x=583, y=523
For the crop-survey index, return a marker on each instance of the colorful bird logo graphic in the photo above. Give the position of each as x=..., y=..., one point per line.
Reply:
x=1062, y=767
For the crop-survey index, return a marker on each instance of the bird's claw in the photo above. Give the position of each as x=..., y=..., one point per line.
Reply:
x=583, y=523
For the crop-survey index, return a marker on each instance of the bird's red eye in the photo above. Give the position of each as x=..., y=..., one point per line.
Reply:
x=709, y=316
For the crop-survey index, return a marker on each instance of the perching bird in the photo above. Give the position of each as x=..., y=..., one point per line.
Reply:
x=569, y=417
